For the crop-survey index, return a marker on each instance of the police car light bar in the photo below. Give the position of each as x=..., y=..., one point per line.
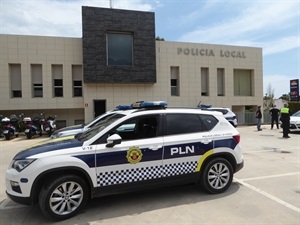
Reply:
x=123, y=107
x=149, y=104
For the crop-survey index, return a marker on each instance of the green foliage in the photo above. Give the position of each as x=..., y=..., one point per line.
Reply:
x=159, y=38
x=294, y=106
x=285, y=97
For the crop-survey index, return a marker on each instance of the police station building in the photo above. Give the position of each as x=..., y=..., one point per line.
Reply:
x=118, y=62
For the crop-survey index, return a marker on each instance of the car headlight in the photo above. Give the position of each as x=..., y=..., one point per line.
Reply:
x=21, y=164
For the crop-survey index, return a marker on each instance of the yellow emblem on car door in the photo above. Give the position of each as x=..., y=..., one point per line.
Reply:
x=134, y=155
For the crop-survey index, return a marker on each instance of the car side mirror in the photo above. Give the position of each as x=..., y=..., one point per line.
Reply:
x=113, y=140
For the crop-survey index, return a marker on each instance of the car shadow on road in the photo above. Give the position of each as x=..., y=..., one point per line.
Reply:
x=140, y=202
x=114, y=206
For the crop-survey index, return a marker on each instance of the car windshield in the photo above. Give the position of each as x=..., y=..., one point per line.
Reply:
x=223, y=111
x=93, y=120
x=297, y=114
x=99, y=127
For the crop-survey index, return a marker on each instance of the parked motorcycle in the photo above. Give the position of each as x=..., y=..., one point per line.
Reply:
x=32, y=127
x=1, y=128
x=49, y=124
x=10, y=126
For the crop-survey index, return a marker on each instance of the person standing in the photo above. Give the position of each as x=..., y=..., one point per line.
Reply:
x=274, y=116
x=285, y=120
x=258, y=116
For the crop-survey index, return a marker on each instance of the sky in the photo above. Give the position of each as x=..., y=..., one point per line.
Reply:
x=273, y=25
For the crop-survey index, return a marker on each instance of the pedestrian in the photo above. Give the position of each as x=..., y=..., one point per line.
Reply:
x=274, y=116
x=258, y=116
x=285, y=120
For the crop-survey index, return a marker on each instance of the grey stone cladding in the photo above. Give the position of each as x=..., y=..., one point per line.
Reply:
x=95, y=24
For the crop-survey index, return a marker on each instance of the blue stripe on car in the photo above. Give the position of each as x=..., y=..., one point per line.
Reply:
x=119, y=157
x=48, y=147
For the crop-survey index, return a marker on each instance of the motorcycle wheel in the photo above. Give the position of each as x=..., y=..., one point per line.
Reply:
x=7, y=136
x=29, y=135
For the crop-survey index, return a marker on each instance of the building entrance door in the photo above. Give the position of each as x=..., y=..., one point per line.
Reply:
x=99, y=107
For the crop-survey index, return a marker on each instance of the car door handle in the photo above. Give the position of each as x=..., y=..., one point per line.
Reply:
x=206, y=142
x=155, y=148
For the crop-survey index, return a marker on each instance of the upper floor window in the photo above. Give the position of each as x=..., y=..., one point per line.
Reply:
x=119, y=49
x=77, y=80
x=37, y=80
x=15, y=80
x=174, y=81
x=57, y=75
x=243, y=82
x=220, y=82
x=204, y=82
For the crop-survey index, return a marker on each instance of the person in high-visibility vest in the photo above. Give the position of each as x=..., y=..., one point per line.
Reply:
x=285, y=120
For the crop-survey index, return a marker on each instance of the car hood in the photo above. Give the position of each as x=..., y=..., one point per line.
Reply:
x=48, y=146
x=71, y=127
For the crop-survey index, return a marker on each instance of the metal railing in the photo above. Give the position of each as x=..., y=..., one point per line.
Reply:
x=248, y=118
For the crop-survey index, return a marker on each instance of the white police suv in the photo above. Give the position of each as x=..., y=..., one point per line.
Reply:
x=149, y=146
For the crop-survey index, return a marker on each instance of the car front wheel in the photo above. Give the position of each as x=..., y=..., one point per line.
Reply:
x=216, y=176
x=63, y=197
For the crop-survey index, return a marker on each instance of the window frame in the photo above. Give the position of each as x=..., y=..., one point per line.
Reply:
x=119, y=47
x=201, y=118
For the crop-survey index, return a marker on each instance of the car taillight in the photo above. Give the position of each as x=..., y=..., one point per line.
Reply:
x=237, y=138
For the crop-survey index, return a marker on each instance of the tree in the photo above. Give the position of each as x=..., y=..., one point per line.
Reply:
x=159, y=38
x=285, y=97
x=269, y=96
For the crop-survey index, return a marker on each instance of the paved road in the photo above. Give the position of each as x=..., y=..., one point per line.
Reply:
x=265, y=192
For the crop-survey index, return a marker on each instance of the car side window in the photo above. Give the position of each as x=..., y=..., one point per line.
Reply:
x=208, y=122
x=133, y=129
x=138, y=128
x=188, y=123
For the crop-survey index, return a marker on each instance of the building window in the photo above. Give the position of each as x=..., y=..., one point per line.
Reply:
x=174, y=81
x=220, y=82
x=57, y=75
x=37, y=80
x=77, y=122
x=119, y=49
x=243, y=80
x=60, y=124
x=204, y=82
x=77, y=80
x=58, y=88
x=15, y=80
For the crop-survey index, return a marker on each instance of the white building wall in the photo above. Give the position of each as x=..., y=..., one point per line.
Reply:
x=48, y=51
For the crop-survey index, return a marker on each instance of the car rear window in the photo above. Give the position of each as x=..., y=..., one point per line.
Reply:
x=188, y=123
x=224, y=111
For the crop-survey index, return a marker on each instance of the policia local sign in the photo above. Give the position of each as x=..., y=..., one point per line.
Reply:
x=210, y=52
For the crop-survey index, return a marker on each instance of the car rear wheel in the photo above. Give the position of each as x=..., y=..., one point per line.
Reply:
x=216, y=176
x=63, y=197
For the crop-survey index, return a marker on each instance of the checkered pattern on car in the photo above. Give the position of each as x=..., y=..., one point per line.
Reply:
x=145, y=173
